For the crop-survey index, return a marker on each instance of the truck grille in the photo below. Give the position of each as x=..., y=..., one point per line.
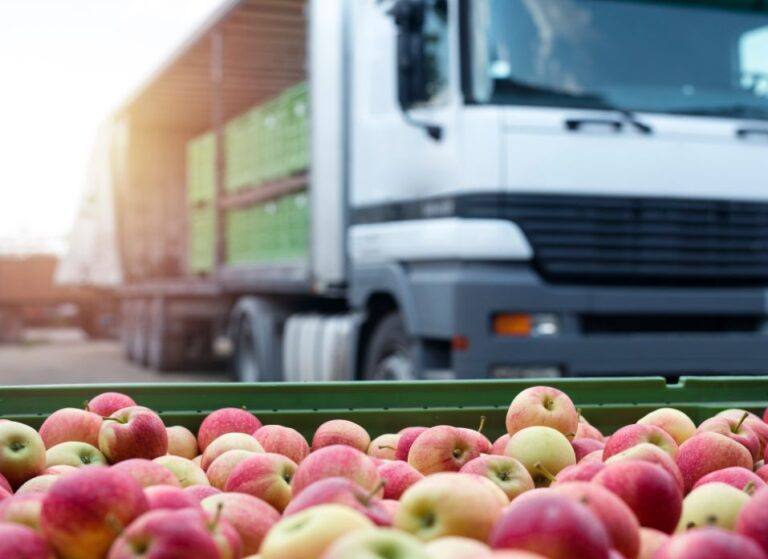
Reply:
x=602, y=240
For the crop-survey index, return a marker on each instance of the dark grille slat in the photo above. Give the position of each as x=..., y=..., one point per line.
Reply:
x=640, y=241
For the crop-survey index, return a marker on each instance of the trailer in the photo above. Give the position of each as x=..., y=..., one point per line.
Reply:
x=431, y=189
x=30, y=297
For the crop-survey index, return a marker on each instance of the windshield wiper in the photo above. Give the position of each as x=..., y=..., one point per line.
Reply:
x=579, y=100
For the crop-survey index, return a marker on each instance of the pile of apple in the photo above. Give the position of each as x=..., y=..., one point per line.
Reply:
x=112, y=481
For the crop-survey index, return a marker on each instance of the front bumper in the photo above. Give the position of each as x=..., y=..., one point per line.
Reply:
x=453, y=299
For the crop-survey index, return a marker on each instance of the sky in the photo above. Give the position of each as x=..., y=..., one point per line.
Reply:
x=65, y=65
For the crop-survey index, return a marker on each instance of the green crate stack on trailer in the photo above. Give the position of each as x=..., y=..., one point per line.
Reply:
x=272, y=232
x=295, y=140
x=270, y=143
x=201, y=195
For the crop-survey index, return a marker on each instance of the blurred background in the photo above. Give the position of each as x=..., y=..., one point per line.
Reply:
x=268, y=190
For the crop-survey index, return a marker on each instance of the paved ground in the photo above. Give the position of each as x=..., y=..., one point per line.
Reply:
x=65, y=356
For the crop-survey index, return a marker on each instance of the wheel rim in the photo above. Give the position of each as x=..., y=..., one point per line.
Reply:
x=395, y=366
x=247, y=360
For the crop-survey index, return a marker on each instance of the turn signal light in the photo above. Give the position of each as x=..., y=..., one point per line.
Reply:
x=512, y=325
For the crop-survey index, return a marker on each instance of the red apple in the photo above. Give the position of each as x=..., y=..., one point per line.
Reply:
x=752, y=421
x=707, y=452
x=618, y=519
x=21, y=542
x=583, y=471
x=762, y=473
x=251, y=517
x=709, y=543
x=407, y=437
x=220, y=469
x=134, y=432
x=442, y=449
x=187, y=472
x=227, y=442
x=336, y=461
x=200, y=492
x=679, y=426
x=108, y=403
x=633, y=435
x=736, y=430
x=170, y=498
x=737, y=477
x=384, y=446
x=499, y=446
x=39, y=484
x=543, y=406
x=163, y=534
x=341, y=491
x=583, y=447
x=553, y=525
x=595, y=456
x=752, y=521
x=266, y=476
x=147, y=472
x=22, y=452
x=84, y=512
x=181, y=442
x=397, y=477
x=59, y=469
x=23, y=509
x=654, y=455
x=283, y=440
x=341, y=432
x=650, y=542
x=4, y=484
x=226, y=420
x=586, y=430
x=71, y=424
x=506, y=472
x=648, y=489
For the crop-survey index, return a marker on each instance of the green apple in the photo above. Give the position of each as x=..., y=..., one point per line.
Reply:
x=186, y=471
x=308, y=534
x=543, y=451
x=22, y=452
x=454, y=547
x=74, y=454
x=450, y=504
x=712, y=504
x=380, y=543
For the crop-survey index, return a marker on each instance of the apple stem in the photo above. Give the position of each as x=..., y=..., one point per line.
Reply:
x=375, y=490
x=749, y=488
x=216, y=518
x=741, y=421
x=114, y=523
x=114, y=419
x=482, y=424
x=544, y=472
x=86, y=405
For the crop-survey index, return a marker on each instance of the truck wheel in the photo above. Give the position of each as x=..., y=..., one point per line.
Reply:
x=165, y=347
x=246, y=358
x=390, y=354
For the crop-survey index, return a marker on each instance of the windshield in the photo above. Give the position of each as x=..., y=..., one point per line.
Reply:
x=639, y=56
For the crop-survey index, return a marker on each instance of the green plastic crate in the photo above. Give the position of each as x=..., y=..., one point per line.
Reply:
x=202, y=239
x=384, y=407
x=201, y=169
x=272, y=232
x=295, y=137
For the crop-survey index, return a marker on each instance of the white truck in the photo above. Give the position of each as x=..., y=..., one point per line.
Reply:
x=497, y=188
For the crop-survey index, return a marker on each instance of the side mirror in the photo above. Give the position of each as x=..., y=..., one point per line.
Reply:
x=409, y=16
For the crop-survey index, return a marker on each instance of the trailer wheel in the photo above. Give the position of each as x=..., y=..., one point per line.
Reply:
x=246, y=357
x=165, y=346
x=390, y=354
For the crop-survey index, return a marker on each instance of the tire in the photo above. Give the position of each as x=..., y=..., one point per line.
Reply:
x=246, y=366
x=390, y=353
x=165, y=347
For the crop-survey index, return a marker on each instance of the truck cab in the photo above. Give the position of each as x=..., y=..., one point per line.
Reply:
x=560, y=187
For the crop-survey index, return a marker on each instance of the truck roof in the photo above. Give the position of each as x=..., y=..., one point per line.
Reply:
x=246, y=42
